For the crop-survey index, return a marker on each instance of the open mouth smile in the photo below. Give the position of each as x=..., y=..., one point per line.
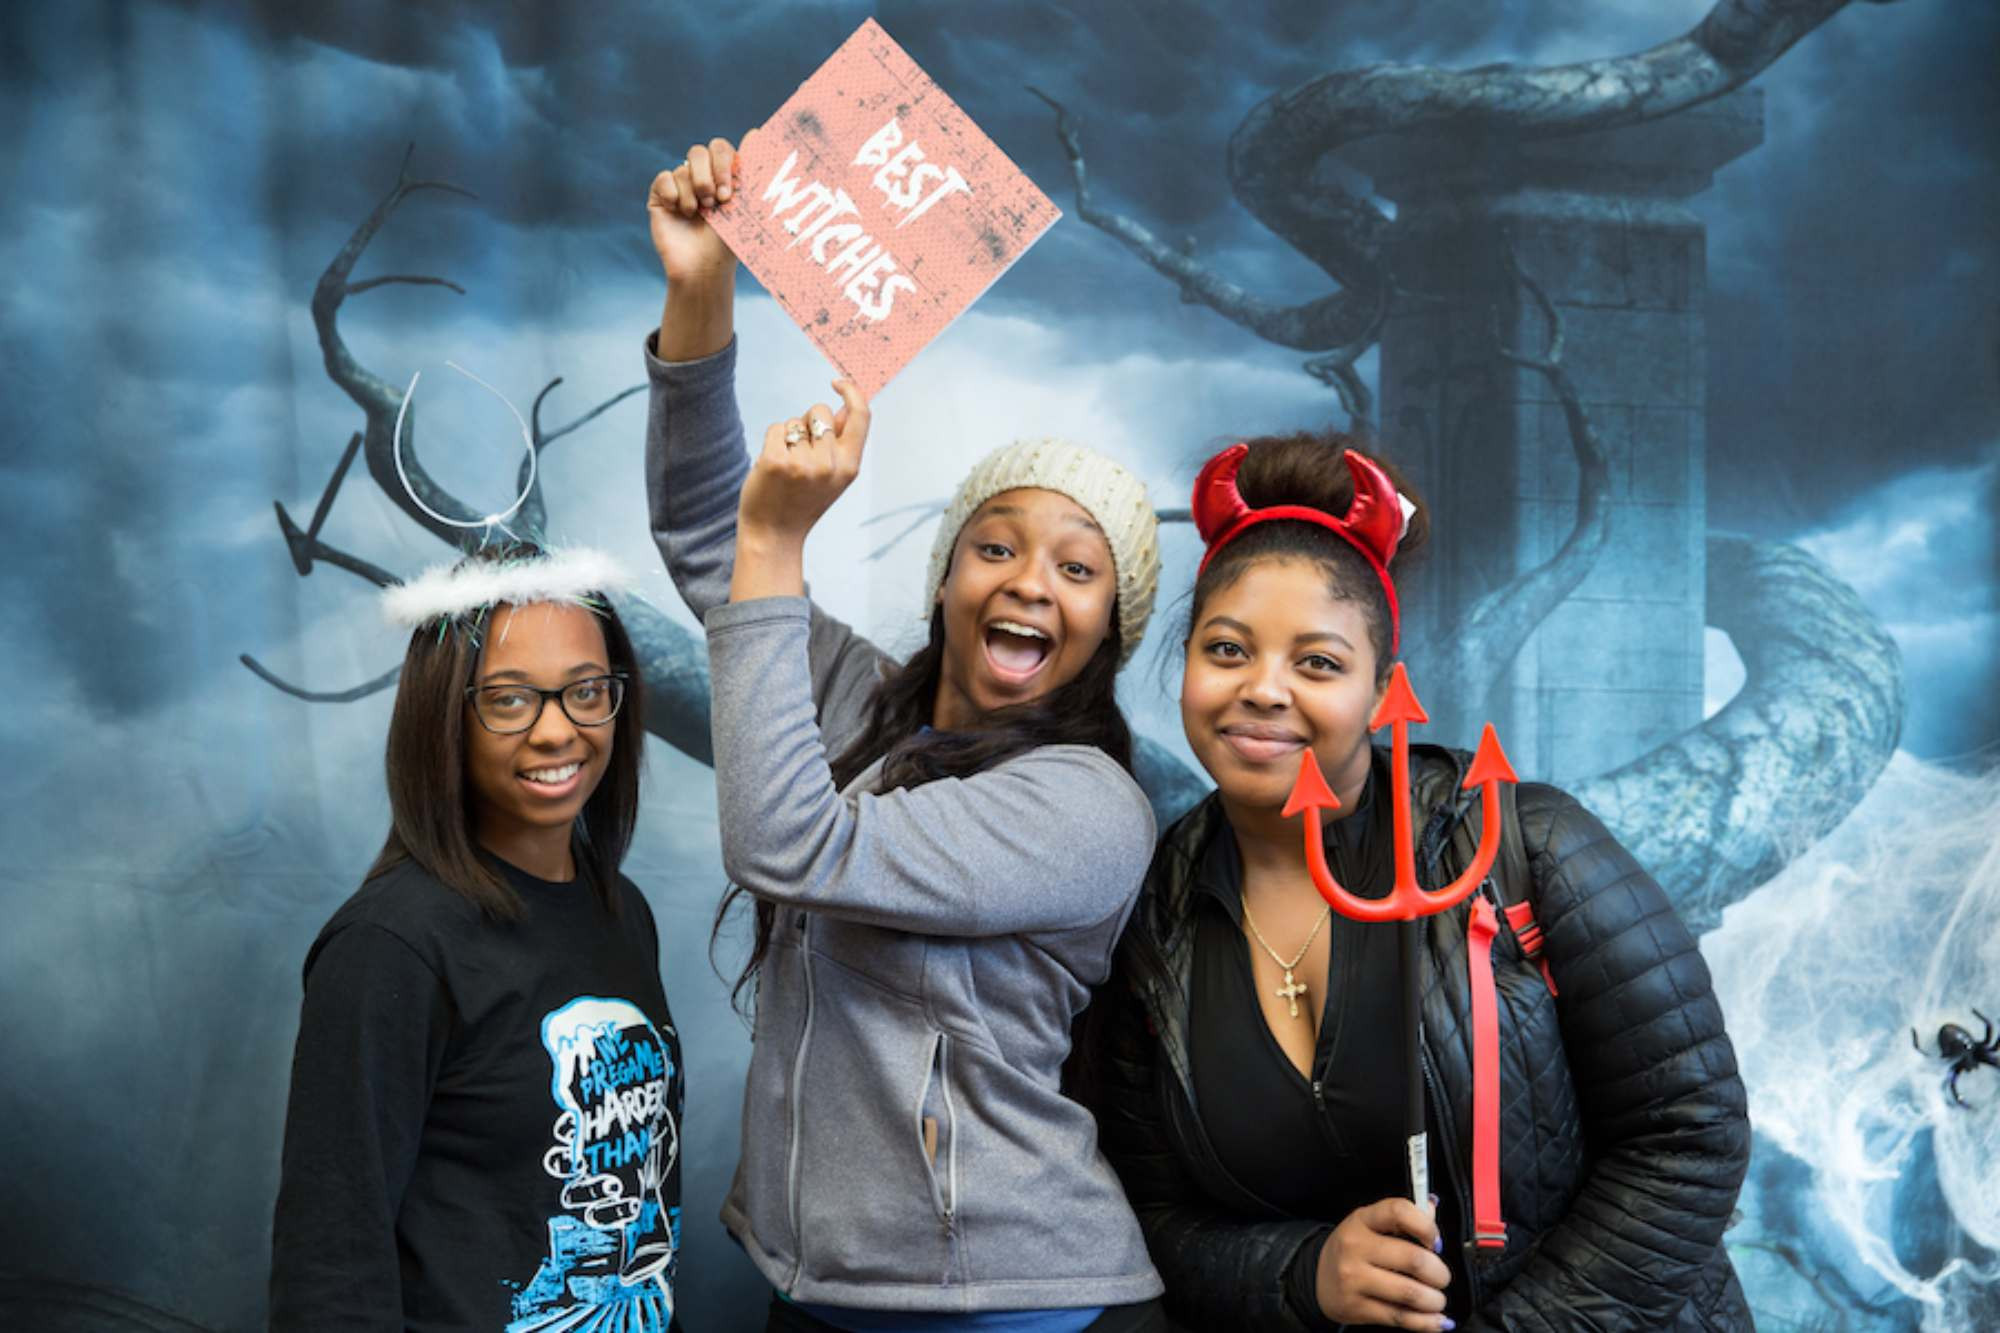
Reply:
x=554, y=781
x=1016, y=651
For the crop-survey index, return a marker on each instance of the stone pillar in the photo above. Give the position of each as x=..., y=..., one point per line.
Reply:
x=1597, y=220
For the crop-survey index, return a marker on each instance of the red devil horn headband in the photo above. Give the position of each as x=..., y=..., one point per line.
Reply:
x=1374, y=522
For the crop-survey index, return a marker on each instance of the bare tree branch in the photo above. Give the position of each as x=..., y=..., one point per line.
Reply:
x=1762, y=778
x=325, y=505
x=1498, y=624
x=925, y=511
x=914, y=507
x=1275, y=153
x=306, y=547
x=673, y=662
x=380, y=400
x=675, y=665
x=308, y=550
x=375, y=686
x=544, y=438
x=1336, y=371
x=1550, y=362
x=1718, y=810
x=533, y=513
x=355, y=288
x=377, y=398
x=1335, y=322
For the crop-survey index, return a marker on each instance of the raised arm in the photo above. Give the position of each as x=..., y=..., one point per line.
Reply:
x=1054, y=839
x=696, y=466
x=700, y=315
x=695, y=463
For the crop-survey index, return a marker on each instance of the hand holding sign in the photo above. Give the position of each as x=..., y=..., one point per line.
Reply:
x=700, y=317
x=806, y=463
x=689, y=249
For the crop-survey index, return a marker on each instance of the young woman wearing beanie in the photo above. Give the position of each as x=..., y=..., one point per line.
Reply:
x=942, y=851
x=1249, y=1076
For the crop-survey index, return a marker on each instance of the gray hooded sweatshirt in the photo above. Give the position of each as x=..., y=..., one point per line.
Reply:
x=932, y=946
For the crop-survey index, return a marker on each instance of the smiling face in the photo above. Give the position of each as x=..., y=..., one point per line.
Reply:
x=1027, y=602
x=1275, y=664
x=528, y=788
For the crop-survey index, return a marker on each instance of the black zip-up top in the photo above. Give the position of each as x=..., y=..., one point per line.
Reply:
x=1624, y=1136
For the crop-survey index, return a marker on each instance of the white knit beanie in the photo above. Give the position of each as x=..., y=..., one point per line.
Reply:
x=1112, y=496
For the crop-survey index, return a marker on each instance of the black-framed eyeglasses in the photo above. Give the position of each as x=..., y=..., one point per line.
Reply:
x=511, y=708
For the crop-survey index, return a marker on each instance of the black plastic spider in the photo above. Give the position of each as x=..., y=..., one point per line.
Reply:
x=1956, y=1045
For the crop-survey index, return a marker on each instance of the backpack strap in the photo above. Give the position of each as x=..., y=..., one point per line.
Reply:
x=1507, y=894
x=1489, y=1231
x=1512, y=881
x=1513, y=885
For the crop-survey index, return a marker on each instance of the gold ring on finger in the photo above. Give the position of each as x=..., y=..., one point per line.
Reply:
x=793, y=434
x=820, y=428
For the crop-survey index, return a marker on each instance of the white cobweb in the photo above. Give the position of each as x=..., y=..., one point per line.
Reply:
x=1890, y=923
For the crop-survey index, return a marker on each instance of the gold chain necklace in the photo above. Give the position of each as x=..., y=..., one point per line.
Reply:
x=1291, y=990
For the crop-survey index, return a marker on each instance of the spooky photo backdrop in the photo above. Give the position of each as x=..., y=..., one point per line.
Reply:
x=1685, y=317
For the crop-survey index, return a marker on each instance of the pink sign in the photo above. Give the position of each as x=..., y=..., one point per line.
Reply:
x=875, y=211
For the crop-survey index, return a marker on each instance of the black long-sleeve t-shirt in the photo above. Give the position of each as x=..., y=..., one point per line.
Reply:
x=484, y=1121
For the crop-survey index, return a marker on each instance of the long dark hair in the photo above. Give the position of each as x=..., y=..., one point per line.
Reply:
x=1307, y=468
x=1081, y=711
x=430, y=812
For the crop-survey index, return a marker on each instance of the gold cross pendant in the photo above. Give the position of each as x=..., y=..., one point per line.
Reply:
x=1290, y=992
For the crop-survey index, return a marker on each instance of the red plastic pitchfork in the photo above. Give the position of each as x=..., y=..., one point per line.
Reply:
x=1406, y=902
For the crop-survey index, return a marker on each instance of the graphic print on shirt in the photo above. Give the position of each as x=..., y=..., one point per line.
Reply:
x=611, y=1252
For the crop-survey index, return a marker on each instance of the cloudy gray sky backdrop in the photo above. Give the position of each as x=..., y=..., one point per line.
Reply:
x=176, y=176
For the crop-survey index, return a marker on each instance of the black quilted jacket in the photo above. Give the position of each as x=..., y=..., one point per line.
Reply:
x=1623, y=1132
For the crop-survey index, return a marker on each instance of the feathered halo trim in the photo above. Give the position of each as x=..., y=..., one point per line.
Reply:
x=452, y=591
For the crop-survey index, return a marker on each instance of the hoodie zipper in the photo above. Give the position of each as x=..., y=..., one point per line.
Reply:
x=951, y=1156
x=944, y=1174
x=941, y=1176
x=798, y=1076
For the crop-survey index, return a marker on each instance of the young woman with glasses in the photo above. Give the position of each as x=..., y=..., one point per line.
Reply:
x=486, y=1091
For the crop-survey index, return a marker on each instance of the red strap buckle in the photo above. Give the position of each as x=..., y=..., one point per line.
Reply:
x=1528, y=934
x=1489, y=1231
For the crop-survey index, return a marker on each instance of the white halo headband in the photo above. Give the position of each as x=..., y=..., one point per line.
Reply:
x=575, y=574
x=496, y=520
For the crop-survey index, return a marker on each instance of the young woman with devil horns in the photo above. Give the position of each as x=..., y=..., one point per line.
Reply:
x=1244, y=1061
